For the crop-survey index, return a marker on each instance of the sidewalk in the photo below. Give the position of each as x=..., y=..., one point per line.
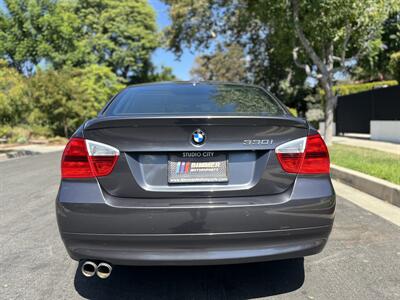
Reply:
x=14, y=151
x=376, y=206
x=39, y=148
x=364, y=143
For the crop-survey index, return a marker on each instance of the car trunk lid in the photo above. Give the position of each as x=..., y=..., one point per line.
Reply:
x=147, y=144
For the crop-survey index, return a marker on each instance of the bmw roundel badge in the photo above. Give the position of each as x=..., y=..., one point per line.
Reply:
x=198, y=137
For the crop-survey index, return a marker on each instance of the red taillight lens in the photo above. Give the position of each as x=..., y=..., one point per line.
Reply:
x=291, y=162
x=103, y=165
x=87, y=159
x=316, y=159
x=75, y=160
x=304, y=156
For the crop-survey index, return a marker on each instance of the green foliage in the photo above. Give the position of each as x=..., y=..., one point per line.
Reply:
x=55, y=98
x=13, y=104
x=34, y=30
x=266, y=30
x=96, y=85
x=347, y=89
x=19, y=135
x=53, y=101
x=394, y=65
x=16, y=134
x=5, y=131
x=314, y=116
x=39, y=132
x=120, y=34
x=63, y=99
x=164, y=75
x=57, y=140
x=204, y=24
x=328, y=36
x=222, y=65
x=376, y=163
x=376, y=65
x=61, y=60
x=23, y=133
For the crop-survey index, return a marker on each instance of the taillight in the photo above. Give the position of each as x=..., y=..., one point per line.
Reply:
x=304, y=156
x=316, y=159
x=291, y=155
x=87, y=159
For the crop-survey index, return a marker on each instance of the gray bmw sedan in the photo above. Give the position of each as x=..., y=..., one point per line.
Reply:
x=183, y=173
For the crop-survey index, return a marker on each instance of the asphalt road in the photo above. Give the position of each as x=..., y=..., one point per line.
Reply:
x=361, y=260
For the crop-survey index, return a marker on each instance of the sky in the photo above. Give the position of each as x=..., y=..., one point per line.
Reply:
x=161, y=57
x=181, y=68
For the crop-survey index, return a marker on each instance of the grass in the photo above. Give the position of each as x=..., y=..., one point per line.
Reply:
x=372, y=162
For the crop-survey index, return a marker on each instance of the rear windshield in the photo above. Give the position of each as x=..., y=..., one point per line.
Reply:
x=189, y=99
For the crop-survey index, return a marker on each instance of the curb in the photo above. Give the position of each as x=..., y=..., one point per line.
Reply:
x=17, y=154
x=376, y=187
x=370, y=203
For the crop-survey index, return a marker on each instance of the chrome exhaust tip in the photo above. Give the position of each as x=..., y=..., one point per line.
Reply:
x=89, y=268
x=103, y=270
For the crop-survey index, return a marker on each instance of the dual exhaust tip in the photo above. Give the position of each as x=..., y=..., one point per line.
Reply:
x=102, y=270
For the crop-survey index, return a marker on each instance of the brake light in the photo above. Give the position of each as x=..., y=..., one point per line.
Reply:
x=316, y=160
x=304, y=156
x=87, y=159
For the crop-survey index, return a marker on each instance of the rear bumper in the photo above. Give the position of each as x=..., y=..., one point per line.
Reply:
x=200, y=249
x=294, y=224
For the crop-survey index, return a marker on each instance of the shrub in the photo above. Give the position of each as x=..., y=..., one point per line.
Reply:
x=52, y=102
x=347, y=89
x=394, y=65
x=63, y=99
x=41, y=131
x=5, y=131
x=314, y=116
x=58, y=140
x=19, y=134
x=13, y=103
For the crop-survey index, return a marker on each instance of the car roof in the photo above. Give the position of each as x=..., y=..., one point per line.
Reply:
x=194, y=82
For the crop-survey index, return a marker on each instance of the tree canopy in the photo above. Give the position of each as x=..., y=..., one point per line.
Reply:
x=224, y=65
x=320, y=38
x=62, y=60
x=32, y=31
x=380, y=63
x=267, y=53
x=120, y=34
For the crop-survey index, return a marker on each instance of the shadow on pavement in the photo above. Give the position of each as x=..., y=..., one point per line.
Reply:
x=206, y=282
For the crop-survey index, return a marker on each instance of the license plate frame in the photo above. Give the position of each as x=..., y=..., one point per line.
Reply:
x=197, y=167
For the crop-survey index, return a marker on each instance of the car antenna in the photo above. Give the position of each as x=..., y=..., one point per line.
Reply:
x=195, y=81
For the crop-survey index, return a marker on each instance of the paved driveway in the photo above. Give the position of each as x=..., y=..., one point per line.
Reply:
x=361, y=260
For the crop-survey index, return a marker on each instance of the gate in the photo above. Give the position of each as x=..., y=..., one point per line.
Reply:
x=354, y=112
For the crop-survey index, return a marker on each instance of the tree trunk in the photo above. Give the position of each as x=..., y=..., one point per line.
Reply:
x=330, y=103
x=65, y=128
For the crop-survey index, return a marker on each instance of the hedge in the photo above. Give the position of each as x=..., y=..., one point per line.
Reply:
x=347, y=89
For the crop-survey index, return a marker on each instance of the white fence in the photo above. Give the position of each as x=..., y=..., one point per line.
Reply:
x=322, y=128
x=388, y=131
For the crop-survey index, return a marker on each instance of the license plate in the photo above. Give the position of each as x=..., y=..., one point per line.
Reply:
x=201, y=166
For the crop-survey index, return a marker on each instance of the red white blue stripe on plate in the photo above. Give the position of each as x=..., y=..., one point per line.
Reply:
x=182, y=167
